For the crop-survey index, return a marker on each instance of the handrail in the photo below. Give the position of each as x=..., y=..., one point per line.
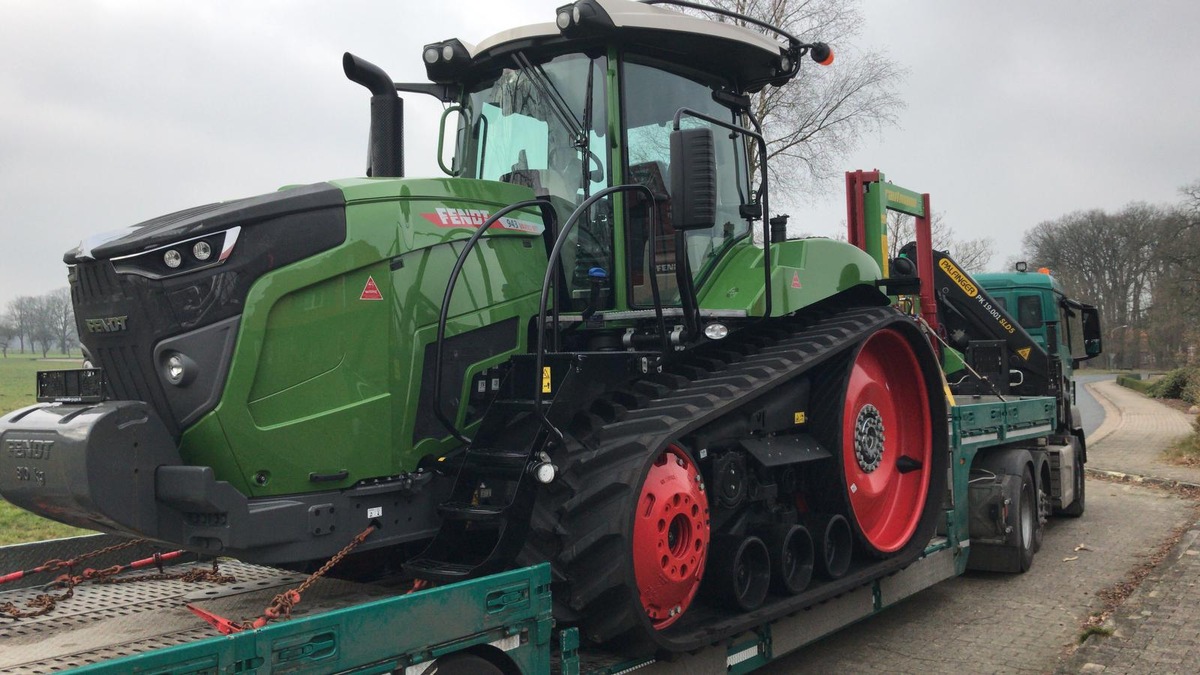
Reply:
x=552, y=267
x=548, y=220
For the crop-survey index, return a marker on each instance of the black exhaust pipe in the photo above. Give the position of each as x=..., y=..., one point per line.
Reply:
x=386, y=143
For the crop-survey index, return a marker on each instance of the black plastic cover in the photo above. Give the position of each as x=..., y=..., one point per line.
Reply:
x=693, y=179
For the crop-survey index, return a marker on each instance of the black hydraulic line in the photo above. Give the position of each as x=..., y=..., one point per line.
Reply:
x=548, y=218
x=552, y=268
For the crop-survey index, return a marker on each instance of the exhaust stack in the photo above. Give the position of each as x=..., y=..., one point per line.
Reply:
x=386, y=142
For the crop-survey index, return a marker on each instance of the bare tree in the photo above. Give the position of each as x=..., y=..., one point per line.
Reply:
x=21, y=312
x=1109, y=258
x=973, y=255
x=7, y=332
x=812, y=123
x=42, y=329
x=61, y=315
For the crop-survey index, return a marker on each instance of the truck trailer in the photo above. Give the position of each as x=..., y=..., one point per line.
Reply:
x=612, y=383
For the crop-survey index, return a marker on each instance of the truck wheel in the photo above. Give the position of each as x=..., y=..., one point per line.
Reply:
x=1075, y=508
x=463, y=664
x=1028, y=531
x=886, y=442
x=670, y=536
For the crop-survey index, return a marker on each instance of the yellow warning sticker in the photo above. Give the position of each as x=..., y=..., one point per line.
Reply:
x=1024, y=353
x=959, y=278
x=801, y=417
x=546, y=380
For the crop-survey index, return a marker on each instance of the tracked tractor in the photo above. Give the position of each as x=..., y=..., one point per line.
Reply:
x=588, y=343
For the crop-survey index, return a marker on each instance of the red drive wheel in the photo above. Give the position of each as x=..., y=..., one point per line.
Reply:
x=670, y=537
x=887, y=442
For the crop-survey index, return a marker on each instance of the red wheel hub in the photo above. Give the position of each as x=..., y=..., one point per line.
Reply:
x=670, y=537
x=887, y=441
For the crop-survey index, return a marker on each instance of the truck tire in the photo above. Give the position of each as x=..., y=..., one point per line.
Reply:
x=1075, y=508
x=1028, y=527
x=463, y=663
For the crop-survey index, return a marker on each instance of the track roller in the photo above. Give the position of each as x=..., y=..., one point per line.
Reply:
x=791, y=550
x=739, y=572
x=834, y=544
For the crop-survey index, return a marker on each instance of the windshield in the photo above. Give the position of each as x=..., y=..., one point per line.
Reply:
x=527, y=126
x=651, y=97
x=542, y=125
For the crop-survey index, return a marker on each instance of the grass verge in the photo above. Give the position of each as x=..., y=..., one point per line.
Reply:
x=18, y=375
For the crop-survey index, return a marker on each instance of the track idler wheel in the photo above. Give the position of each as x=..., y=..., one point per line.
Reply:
x=886, y=449
x=791, y=550
x=739, y=572
x=670, y=537
x=834, y=545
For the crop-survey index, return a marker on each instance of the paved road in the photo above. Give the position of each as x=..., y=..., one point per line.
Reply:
x=985, y=623
x=996, y=623
x=1089, y=408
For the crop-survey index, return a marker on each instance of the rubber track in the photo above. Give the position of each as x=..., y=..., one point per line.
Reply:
x=583, y=522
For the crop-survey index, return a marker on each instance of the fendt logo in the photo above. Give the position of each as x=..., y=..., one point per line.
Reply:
x=109, y=324
x=28, y=448
x=445, y=217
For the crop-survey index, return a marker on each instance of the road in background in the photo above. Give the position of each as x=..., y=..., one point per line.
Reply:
x=1089, y=409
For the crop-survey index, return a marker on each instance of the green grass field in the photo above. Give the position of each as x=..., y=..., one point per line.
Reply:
x=17, y=377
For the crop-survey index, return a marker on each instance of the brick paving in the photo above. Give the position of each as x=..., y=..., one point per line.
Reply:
x=1157, y=630
x=1134, y=432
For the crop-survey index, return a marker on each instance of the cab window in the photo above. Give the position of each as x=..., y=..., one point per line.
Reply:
x=651, y=96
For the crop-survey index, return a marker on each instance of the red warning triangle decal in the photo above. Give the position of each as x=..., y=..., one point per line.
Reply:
x=795, y=280
x=371, y=291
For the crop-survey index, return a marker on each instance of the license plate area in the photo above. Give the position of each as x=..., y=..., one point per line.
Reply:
x=83, y=385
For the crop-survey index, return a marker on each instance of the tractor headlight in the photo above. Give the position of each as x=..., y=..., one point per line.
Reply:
x=445, y=61
x=583, y=18
x=178, y=369
x=202, y=250
x=716, y=331
x=207, y=250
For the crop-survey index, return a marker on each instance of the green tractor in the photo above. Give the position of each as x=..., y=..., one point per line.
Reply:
x=588, y=343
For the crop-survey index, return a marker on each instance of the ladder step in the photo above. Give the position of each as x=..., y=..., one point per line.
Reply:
x=438, y=570
x=472, y=512
x=519, y=404
x=508, y=459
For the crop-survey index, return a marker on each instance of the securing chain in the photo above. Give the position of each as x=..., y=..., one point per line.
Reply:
x=283, y=604
x=46, y=602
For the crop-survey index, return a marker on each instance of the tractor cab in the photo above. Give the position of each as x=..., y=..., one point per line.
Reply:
x=571, y=108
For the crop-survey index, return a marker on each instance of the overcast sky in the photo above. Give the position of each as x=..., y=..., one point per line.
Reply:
x=114, y=112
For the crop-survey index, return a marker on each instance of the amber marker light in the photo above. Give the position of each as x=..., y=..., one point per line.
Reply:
x=821, y=53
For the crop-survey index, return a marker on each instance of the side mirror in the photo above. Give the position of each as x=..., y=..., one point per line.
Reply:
x=693, y=179
x=1092, y=347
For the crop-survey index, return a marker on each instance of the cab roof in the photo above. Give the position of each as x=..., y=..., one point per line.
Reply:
x=745, y=58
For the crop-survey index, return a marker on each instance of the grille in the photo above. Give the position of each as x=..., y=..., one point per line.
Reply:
x=126, y=356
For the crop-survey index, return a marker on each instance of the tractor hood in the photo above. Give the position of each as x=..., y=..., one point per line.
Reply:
x=203, y=220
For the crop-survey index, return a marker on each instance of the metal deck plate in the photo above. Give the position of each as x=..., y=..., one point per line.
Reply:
x=106, y=621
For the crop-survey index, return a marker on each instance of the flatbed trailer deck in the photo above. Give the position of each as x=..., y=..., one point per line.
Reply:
x=343, y=626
